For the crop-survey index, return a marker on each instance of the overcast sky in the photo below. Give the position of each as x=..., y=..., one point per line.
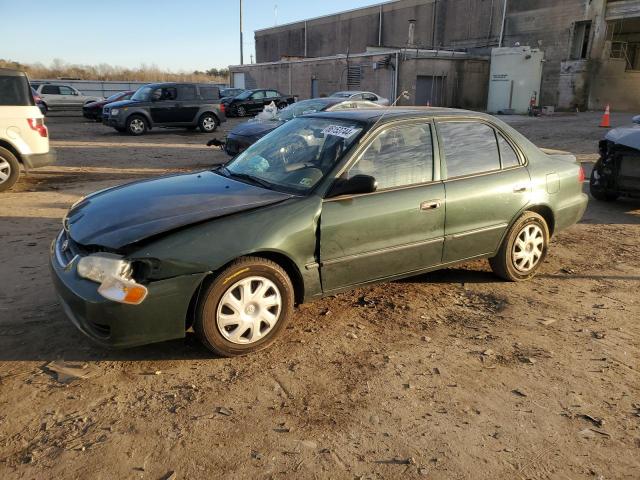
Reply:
x=177, y=35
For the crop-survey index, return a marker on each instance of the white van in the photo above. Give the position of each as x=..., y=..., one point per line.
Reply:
x=24, y=138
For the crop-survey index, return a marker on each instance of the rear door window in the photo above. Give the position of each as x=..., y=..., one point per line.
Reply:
x=50, y=90
x=66, y=91
x=209, y=93
x=469, y=148
x=508, y=155
x=186, y=92
x=272, y=94
x=15, y=91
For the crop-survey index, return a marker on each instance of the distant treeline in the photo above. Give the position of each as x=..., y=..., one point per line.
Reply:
x=103, y=71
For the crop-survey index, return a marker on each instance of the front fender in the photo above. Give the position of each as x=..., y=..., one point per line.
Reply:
x=288, y=229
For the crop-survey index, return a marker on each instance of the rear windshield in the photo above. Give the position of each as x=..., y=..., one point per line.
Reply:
x=15, y=91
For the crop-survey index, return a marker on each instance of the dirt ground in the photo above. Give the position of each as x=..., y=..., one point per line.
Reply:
x=450, y=375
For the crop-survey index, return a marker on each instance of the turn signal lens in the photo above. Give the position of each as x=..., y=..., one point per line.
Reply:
x=581, y=175
x=123, y=291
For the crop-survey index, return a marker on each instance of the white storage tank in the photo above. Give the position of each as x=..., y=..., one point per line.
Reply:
x=516, y=74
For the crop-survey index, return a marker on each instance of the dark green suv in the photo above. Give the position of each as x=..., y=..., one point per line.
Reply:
x=189, y=105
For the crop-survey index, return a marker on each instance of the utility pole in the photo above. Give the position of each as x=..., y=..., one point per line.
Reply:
x=241, y=47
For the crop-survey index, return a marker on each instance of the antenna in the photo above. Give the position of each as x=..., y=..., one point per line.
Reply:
x=404, y=94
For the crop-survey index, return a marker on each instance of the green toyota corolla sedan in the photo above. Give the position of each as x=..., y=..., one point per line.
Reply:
x=324, y=203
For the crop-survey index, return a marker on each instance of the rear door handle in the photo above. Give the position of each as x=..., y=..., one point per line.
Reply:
x=430, y=204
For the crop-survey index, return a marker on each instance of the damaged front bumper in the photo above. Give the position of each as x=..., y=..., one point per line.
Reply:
x=162, y=315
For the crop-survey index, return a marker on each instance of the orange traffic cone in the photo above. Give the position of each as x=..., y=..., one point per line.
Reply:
x=606, y=118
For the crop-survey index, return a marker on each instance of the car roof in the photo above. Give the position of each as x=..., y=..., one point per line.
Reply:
x=168, y=84
x=386, y=114
x=10, y=72
x=353, y=92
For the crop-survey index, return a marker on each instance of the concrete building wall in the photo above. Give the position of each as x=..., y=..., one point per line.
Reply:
x=475, y=25
x=464, y=80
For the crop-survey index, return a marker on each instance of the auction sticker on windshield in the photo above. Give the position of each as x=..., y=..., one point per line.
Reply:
x=338, y=131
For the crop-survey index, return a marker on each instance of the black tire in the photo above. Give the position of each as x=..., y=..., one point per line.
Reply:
x=282, y=105
x=137, y=125
x=206, y=317
x=241, y=111
x=504, y=263
x=208, y=123
x=597, y=191
x=9, y=169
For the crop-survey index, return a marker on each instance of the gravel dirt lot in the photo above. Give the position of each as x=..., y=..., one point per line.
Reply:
x=450, y=375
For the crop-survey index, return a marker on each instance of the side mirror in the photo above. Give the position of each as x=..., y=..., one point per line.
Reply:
x=636, y=119
x=352, y=186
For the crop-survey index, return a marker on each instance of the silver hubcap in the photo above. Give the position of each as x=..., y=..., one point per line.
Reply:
x=208, y=123
x=137, y=125
x=249, y=310
x=528, y=247
x=241, y=111
x=5, y=170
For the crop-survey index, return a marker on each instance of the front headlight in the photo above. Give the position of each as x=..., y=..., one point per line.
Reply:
x=101, y=266
x=113, y=273
x=115, y=112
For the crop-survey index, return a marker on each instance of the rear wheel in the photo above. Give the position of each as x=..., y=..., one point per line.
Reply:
x=523, y=249
x=208, y=123
x=241, y=111
x=245, y=308
x=137, y=125
x=9, y=169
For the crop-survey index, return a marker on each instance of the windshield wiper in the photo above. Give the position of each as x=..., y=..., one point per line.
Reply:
x=250, y=178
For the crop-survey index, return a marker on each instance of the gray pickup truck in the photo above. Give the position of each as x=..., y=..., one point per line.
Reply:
x=189, y=105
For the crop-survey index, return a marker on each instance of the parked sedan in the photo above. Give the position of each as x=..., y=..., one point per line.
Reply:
x=251, y=102
x=246, y=134
x=366, y=196
x=358, y=95
x=93, y=110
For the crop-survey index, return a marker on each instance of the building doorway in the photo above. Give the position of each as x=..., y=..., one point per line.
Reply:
x=430, y=90
x=314, y=88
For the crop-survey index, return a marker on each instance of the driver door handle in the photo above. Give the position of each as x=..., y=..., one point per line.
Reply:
x=430, y=205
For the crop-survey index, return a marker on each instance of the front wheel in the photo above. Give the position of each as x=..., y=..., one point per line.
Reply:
x=208, y=123
x=245, y=308
x=9, y=169
x=523, y=249
x=136, y=125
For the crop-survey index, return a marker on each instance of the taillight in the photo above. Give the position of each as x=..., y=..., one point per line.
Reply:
x=38, y=125
x=581, y=175
x=222, y=108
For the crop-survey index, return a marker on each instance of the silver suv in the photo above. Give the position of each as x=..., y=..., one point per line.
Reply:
x=63, y=96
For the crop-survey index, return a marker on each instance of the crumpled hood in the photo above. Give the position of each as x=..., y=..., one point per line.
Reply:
x=123, y=215
x=255, y=129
